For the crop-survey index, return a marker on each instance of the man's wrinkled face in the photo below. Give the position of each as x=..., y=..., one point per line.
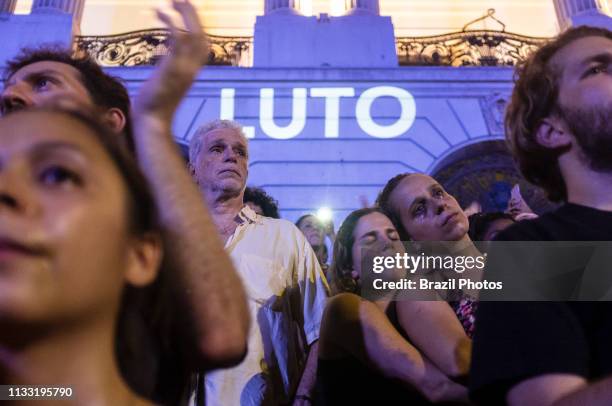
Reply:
x=222, y=162
x=585, y=97
x=41, y=83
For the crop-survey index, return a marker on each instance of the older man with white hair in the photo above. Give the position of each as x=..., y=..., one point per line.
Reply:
x=286, y=289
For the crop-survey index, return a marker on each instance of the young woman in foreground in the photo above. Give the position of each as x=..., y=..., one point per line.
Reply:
x=79, y=251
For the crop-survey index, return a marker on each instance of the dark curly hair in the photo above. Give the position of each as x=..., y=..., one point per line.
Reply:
x=258, y=196
x=535, y=97
x=106, y=91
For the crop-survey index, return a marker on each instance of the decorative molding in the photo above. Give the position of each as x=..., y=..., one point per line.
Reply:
x=493, y=110
x=146, y=47
x=467, y=48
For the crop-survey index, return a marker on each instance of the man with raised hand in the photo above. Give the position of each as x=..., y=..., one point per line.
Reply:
x=559, y=126
x=214, y=319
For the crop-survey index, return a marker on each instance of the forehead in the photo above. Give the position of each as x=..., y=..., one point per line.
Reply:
x=224, y=135
x=372, y=222
x=570, y=57
x=25, y=129
x=70, y=73
x=309, y=220
x=414, y=185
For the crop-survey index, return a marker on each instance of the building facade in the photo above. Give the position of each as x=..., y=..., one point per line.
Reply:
x=338, y=102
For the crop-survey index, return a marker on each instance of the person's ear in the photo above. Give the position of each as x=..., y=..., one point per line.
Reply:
x=115, y=119
x=354, y=274
x=144, y=261
x=552, y=133
x=192, y=172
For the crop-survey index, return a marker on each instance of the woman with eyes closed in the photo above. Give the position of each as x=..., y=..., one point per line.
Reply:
x=365, y=357
x=80, y=250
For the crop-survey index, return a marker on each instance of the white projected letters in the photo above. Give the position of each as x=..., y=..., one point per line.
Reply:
x=403, y=123
x=334, y=96
x=332, y=106
x=266, y=114
x=227, y=110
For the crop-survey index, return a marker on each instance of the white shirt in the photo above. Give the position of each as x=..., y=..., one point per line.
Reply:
x=287, y=293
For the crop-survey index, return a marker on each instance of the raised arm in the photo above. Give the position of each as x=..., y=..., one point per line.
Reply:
x=214, y=297
x=357, y=327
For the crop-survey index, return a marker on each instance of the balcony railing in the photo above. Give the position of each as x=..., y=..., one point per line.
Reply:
x=466, y=48
x=145, y=47
x=463, y=48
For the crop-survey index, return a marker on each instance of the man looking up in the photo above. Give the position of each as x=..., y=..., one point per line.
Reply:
x=285, y=286
x=560, y=129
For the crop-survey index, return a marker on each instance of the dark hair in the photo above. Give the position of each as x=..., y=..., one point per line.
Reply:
x=105, y=90
x=299, y=221
x=481, y=222
x=535, y=97
x=384, y=202
x=258, y=196
x=144, y=329
x=342, y=261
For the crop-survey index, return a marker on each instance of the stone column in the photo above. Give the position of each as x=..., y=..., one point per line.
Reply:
x=74, y=7
x=7, y=6
x=572, y=13
x=363, y=6
x=282, y=6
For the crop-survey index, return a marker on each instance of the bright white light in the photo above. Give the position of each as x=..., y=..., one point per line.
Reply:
x=337, y=8
x=306, y=7
x=324, y=214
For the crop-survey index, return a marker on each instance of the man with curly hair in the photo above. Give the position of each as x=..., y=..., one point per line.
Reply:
x=559, y=126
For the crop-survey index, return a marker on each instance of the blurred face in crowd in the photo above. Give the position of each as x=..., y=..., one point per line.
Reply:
x=66, y=250
x=427, y=212
x=222, y=162
x=585, y=97
x=312, y=228
x=44, y=82
x=374, y=235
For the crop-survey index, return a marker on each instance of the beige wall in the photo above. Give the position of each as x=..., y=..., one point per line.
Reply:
x=410, y=17
x=431, y=17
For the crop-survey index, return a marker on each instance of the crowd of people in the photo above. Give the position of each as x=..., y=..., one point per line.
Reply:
x=133, y=278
